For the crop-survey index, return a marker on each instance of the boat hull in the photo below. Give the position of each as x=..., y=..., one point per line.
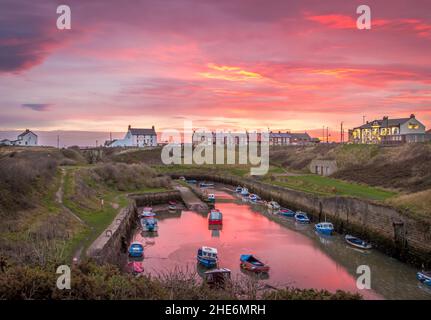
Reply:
x=215, y=222
x=424, y=278
x=357, y=243
x=326, y=232
x=208, y=263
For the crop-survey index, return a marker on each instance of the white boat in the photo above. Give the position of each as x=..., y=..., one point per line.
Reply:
x=149, y=224
x=238, y=189
x=272, y=205
x=244, y=192
x=325, y=228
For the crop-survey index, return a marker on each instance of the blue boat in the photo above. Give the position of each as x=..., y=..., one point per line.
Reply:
x=287, y=212
x=244, y=192
x=253, y=197
x=136, y=250
x=192, y=181
x=302, y=217
x=149, y=224
x=325, y=228
x=206, y=184
x=238, y=189
x=424, y=277
x=357, y=243
x=207, y=257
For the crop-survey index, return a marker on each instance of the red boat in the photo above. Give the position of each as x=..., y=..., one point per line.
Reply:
x=135, y=267
x=249, y=262
x=215, y=217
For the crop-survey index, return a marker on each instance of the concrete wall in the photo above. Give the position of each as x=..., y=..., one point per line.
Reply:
x=323, y=167
x=391, y=231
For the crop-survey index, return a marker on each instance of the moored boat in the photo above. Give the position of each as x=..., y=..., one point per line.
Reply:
x=287, y=212
x=211, y=198
x=192, y=181
x=136, y=249
x=238, y=189
x=149, y=224
x=244, y=192
x=215, y=217
x=251, y=263
x=206, y=184
x=325, y=228
x=272, y=205
x=217, y=277
x=253, y=197
x=207, y=257
x=302, y=217
x=357, y=243
x=424, y=277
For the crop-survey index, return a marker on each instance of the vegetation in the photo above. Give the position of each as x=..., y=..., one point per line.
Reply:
x=329, y=186
x=417, y=205
x=90, y=281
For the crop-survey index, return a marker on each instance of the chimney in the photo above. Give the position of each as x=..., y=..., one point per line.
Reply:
x=385, y=118
x=412, y=116
x=152, y=127
x=130, y=127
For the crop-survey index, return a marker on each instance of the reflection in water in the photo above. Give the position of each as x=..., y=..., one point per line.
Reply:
x=296, y=254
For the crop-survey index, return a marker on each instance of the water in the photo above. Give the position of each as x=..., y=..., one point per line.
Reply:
x=297, y=256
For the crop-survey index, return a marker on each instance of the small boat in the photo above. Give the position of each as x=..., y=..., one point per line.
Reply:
x=211, y=198
x=272, y=205
x=135, y=267
x=172, y=207
x=301, y=217
x=244, y=192
x=253, y=197
x=357, y=243
x=182, y=178
x=206, y=184
x=325, y=228
x=147, y=212
x=238, y=189
x=136, y=250
x=215, y=217
x=287, y=212
x=424, y=277
x=217, y=277
x=251, y=263
x=192, y=181
x=149, y=224
x=207, y=257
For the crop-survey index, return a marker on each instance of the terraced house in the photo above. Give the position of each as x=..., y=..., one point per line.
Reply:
x=388, y=130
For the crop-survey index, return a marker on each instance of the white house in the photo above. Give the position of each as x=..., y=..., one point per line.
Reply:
x=136, y=138
x=27, y=138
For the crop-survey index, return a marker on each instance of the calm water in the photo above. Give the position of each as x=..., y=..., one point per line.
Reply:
x=296, y=254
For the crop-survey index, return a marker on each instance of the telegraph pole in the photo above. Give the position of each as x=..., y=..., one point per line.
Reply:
x=58, y=142
x=342, y=133
x=363, y=119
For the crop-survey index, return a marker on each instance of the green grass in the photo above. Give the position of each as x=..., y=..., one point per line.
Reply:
x=329, y=186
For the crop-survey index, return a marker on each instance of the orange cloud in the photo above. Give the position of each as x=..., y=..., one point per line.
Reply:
x=229, y=73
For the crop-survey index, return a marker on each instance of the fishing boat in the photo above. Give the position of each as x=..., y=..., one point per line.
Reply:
x=217, y=277
x=147, y=212
x=272, y=205
x=135, y=267
x=136, y=249
x=357, y=243
x=207, y=257
x=325, y=228
x=244, y=192
x=215, y=217
x=251, y=263
x=211, y=198
x=287, y=212
x=238, y=189
x=302, y=217
x=424, y=277
x=206, y=184
x=149, y=224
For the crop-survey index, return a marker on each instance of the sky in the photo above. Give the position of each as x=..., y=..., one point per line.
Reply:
x=225, y=64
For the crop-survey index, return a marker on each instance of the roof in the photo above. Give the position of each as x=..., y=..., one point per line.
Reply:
x=26, y=132
x=142, y=132
x=386, y=122
x=209, y=249
x=302, y=136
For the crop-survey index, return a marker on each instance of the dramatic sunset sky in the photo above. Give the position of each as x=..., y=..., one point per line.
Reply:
x=282, y=64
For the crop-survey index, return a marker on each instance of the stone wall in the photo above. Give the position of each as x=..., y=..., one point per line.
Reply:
x=112, y=243
x=397, y=234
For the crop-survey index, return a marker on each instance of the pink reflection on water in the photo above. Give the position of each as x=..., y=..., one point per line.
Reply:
x=295, y=259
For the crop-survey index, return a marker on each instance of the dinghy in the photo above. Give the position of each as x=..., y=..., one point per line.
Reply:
x=206, y=184
x=207, y=257
x=136, y=249
x=287, y=212
x=325, y=228
x=251, y=263
x=272, y=205
x=149, y=224
x=357, y=243
x=217, y=277
x=215, y=217
x=211, y=198
x=302, y=217
x=424, y=277
x=238, y=189
x=244, y=192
